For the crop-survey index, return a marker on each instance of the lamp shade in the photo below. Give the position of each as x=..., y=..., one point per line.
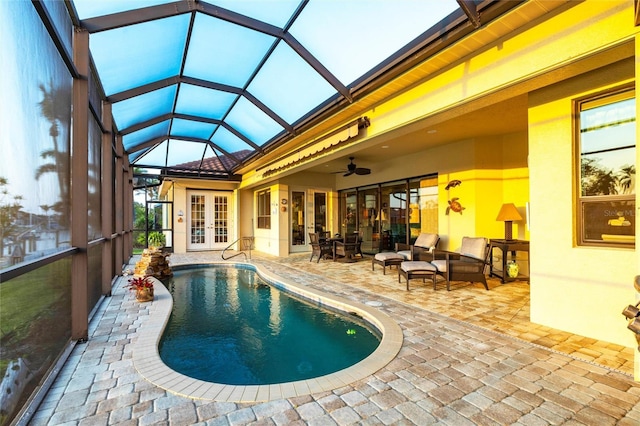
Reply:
x=508, y=212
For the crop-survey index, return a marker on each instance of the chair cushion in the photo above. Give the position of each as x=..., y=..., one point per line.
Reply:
x=406, y=254
x=417, y=265
x=387, y=255
x=440, y=264
x=474, y=247
x=426, y=240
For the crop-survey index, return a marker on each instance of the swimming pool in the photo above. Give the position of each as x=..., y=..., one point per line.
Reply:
x=230, y=326
x=155, y=315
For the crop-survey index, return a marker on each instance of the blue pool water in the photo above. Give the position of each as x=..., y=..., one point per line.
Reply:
x=229, y=326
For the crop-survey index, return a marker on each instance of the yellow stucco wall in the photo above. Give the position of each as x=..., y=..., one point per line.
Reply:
x=579, y=289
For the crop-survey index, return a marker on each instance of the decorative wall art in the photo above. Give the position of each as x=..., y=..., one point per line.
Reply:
x=454, y=204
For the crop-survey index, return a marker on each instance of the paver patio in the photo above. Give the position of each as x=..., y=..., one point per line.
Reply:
x=469, y=357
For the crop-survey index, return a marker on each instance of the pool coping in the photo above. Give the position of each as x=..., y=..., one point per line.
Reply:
x=147, y=361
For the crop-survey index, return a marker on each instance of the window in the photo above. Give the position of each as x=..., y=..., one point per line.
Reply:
x=264, y=209
x=607, y=152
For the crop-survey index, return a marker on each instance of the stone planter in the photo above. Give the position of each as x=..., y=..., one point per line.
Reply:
x=144, y=294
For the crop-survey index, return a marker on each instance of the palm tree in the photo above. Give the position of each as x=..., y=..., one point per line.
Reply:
x=625, y=180
x=55, y=107
x=9, y=210
x=46, y=209
x=596, y=180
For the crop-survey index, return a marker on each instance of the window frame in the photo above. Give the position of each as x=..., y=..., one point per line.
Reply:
x=585, y=202
x=263, y=208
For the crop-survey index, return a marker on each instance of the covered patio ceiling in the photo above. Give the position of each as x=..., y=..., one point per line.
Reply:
x=202, y=89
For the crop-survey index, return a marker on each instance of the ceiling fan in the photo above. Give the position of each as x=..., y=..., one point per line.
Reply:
x=352, y=168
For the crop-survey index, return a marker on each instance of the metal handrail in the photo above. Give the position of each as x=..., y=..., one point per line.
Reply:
x=246, y=243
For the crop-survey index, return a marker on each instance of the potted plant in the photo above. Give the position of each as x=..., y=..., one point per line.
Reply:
x=156, y=240
x=143, y=286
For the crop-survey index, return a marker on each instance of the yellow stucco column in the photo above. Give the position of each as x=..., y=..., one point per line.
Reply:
x=636, y=359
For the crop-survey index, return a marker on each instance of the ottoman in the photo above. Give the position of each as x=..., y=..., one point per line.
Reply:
x=386, y=259
x=417, y=269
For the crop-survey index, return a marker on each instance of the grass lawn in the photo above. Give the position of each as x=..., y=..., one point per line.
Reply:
x=35, y=308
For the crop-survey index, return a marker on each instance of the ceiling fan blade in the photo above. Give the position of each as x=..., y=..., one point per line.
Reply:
x=349, y=173
x=363, y=171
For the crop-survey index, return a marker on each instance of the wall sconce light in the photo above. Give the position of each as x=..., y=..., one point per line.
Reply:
x=508, y=213
x=631, y=311
x=180, y=215
x=634, y=325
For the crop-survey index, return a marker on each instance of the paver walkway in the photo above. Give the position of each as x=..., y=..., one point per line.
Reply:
x=463, y=362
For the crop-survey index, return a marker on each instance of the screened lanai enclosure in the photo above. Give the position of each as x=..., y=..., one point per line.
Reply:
x=104, y=98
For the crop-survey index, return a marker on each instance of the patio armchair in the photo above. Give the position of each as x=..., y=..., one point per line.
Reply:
x=468, y=264
x=347, y=248
x=319, y=248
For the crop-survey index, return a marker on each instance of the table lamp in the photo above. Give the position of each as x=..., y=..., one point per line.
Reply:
x=508, y=213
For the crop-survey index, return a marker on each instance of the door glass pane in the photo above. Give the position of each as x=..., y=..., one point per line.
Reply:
x=320, y=211
x=197, y=219
x=221, y=219
x=368, y=227
x=348, y=213
x=423, y=207
x=393, y=215
x=297, y=218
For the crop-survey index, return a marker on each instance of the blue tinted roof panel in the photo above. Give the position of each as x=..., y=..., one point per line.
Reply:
x=92, y=8
x=229, y=142
x=132, y=140
x=223, y=52
x=276, y=12
x=204, y=102
x=369, y=32
x=289, y=86
x=192, y=129
x=144, y=107
x=253, y=123
x=181, y=152
x=139, y=54
x=155, y=157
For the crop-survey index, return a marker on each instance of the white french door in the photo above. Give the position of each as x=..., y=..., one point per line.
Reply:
x=209, y=221
x=298, y=214
x=308, y=213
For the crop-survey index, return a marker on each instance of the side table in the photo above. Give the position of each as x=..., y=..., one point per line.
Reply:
x=508, y=247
